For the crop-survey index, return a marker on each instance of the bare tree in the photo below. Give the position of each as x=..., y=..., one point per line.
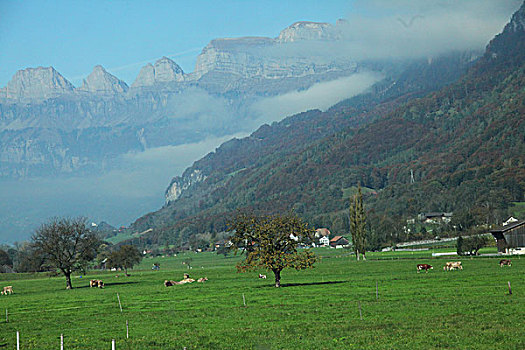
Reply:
x=67, y=244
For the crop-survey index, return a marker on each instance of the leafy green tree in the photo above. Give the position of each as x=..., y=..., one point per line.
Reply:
x=459, y=245
x=471, y=245
x=125, y=258
x=271, y=242
x=358, y=224
x=67, y=245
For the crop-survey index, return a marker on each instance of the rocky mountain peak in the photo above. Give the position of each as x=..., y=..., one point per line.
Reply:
x=37, y=83
x=307, y=31
x=100, y=81
x=165, y=70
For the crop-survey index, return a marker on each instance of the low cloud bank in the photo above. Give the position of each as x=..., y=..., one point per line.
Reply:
x=320, y=96
x=118, y=197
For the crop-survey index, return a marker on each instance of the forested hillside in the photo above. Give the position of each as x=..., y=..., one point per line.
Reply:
x=464, y=144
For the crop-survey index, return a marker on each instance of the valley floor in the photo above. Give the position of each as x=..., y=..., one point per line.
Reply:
x=334, y=306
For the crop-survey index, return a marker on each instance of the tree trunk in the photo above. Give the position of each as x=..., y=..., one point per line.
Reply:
x=277, y=278
x=68, y=280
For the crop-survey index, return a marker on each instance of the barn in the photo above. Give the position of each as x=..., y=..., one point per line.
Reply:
x=509, y=236
x=338, y=242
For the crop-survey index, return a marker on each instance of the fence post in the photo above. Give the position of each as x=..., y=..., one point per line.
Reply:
x=113, y=347
x=127, y=330
x=510, y=290
x=61, y=342
x=243, y=300
x=17, y=340
x=119, y=304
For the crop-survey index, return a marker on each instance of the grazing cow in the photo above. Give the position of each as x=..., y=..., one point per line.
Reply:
x=425, y=267
x=7, y=290
x=504, y=262
x=202, y=280
x=262, y=276
x=96, y=283
x=452, y=265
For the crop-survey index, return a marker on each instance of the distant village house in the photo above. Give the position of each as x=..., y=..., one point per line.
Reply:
x=339, y=242
x=322, y=235
x=435, y=218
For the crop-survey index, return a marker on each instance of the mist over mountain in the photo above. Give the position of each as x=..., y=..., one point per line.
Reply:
x=106, y=142
x=458, y=149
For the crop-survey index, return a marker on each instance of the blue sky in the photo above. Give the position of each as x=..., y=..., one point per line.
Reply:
x=74, y=36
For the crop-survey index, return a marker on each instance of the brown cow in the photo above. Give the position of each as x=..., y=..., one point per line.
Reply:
x=96, y=283
x=452, y=265
x=7, y=290
x=425, y=267
x=504, y=262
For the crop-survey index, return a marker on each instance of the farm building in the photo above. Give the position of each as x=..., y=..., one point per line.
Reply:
x=338, y=242
x=511, y=235
x=322, y=235
x=435, y=218
x=324, y=241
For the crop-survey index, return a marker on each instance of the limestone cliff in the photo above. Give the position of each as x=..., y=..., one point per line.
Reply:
x=102, y=82
x=37, y=83
x=165, y=70
x=308, y=31
x=182, y=183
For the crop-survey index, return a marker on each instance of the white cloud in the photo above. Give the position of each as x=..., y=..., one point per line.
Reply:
x=320, y=96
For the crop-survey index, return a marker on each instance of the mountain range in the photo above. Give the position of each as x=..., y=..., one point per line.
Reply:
x=460, y=148
x=112, y=140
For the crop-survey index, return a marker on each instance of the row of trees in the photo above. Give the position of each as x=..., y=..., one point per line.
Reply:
x=269, y=242
x=68, y=245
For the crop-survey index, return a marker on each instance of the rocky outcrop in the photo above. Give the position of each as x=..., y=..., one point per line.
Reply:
x=165, y=70
x=267, y=58
x=102, y=82
x=308, y=31
x=238, y=56
x=37, y=83
x=180, y=184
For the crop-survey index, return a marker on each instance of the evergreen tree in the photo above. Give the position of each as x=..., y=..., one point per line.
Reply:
x=459, y=245
x=358, y=224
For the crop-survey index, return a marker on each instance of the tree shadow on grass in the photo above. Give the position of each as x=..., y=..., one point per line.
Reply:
x=284, y=285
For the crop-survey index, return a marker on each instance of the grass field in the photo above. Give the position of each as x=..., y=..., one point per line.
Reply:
x=315, y=309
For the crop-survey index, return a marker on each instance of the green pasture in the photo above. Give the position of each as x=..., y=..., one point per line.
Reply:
x=315, y=309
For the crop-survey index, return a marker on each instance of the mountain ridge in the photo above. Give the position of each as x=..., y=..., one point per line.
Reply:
x=451, y=141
